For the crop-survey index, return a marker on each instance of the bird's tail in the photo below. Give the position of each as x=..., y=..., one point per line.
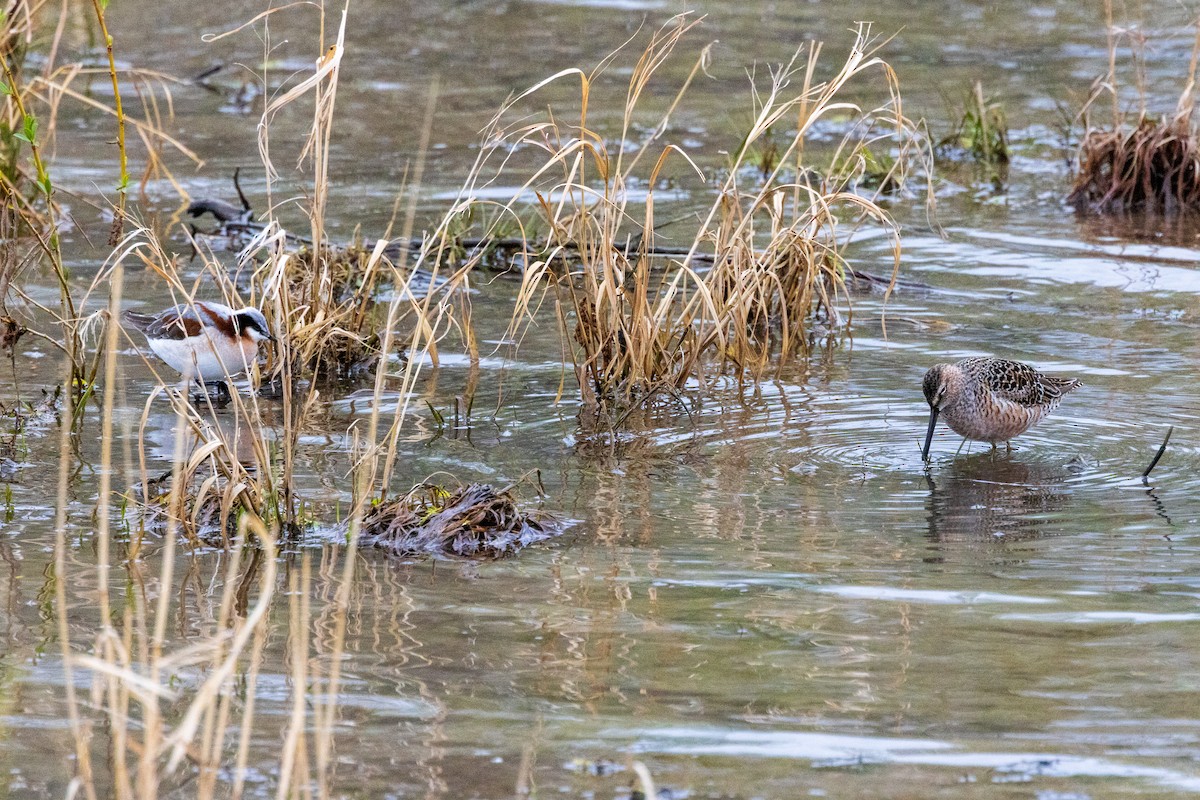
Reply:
x=1060, y=386
x=137, y=321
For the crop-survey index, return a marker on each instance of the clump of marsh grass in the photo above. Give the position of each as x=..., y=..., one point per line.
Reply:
x=765, y=269
x=980, y=135
x=472, y=521
x=333, y=302
x=1145, y=165
x=1139, y=161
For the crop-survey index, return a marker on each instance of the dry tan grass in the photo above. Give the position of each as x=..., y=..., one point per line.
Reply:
x=29, y=110
x=171, y=709
x=474, y=521
x=765, y=271
x=1138, y=161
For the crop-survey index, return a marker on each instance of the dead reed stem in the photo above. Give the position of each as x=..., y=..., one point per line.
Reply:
x=641, y=328
x=81, y=731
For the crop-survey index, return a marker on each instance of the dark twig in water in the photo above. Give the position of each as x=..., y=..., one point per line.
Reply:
x=203, y=77
x=1162, y=449
x=239, y=226
x=247, y=211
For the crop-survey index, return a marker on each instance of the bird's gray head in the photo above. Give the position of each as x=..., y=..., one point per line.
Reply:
x=939, y=380
x=251, y=323
x=935, y=384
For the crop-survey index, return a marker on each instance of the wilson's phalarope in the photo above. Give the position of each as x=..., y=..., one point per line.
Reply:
x=204, y=341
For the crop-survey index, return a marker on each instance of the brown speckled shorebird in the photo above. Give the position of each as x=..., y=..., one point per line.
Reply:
x=990, y=399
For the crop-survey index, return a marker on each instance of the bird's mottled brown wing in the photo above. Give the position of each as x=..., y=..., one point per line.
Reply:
x=1024, y=385
x=175, y=323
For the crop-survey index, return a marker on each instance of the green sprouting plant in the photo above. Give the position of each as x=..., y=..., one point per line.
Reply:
x=867, y=169
x=10, y=154
x=764, y=154
x=981, y=132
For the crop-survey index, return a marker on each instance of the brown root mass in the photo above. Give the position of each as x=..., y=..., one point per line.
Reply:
x=1154, y=167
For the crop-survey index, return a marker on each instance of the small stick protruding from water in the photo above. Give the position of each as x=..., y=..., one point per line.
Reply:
x=1162, y=449
x=247, y=211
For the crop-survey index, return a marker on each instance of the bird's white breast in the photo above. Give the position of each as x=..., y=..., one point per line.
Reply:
x=205, y=357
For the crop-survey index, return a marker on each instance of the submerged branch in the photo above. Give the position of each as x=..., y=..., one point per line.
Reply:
x=239, y=228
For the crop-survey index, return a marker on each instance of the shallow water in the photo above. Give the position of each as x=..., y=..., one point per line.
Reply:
x=773, y=597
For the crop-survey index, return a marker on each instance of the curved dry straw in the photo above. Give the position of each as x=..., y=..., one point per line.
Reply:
x=763, y=267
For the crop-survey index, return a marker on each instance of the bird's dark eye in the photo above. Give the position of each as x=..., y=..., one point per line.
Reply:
x=244, y=322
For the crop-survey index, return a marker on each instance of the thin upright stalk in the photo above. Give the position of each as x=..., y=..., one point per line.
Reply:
x=119, y=215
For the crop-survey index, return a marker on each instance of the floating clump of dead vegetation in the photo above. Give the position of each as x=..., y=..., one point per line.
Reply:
x=1139, y=161
x=471, y=521
x=475, y=521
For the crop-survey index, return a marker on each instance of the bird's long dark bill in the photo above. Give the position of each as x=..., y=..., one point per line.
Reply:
x=933, y=415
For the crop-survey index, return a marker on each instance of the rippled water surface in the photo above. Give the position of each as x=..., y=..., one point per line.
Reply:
x=771, y=597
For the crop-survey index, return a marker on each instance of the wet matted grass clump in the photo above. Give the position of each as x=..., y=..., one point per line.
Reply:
x=476, y=521
x=472, y=521
x=205, y=505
